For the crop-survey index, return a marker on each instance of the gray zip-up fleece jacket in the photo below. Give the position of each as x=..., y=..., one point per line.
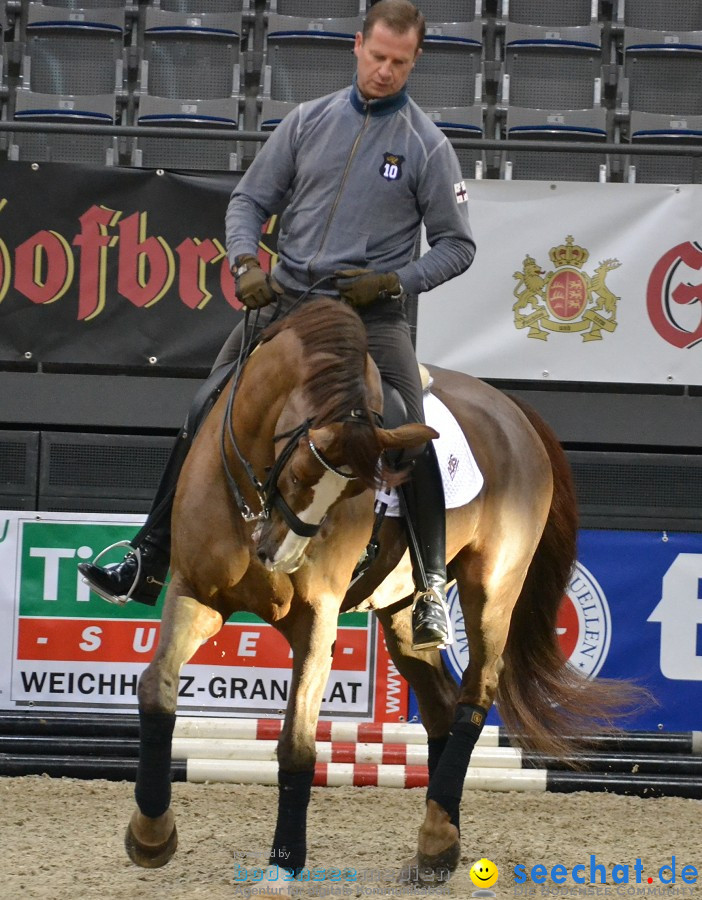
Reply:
x=362, y=175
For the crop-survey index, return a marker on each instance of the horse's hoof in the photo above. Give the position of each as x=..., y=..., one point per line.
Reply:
x=268, y=895
x=444, y=863
x=424, y=870
x=151, y=850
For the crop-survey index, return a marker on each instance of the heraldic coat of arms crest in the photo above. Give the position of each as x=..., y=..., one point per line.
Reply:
x=566, y=299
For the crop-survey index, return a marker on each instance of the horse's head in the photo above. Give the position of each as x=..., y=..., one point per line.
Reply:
x=327, y=441
x=325, y=466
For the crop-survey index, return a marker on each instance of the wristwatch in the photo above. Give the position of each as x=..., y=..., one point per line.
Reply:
x=400, y=292
x=398, y=295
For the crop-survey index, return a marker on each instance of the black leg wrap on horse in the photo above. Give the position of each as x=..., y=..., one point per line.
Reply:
x=446, y=784
x=153, y=781
x=435, y=748
x=289, y=849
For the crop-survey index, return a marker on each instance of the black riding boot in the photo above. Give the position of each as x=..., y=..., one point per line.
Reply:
x=424, y=500
x=141, y=574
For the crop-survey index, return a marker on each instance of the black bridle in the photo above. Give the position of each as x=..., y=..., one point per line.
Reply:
x=268, y=491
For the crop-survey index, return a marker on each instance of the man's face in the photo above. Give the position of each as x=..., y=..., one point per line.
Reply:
x=385, y=60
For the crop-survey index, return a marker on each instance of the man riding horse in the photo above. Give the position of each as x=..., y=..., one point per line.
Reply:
x=361, y=169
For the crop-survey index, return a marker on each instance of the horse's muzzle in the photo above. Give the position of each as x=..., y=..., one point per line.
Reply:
x=286, y=556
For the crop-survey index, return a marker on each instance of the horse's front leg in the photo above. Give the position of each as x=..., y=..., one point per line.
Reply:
x=311, y=632
x=151, y=837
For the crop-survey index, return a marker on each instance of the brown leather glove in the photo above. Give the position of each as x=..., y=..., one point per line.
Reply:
x=254, y=287
x=361, y=287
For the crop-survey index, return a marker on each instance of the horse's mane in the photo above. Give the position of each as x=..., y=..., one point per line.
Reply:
x=335, y=349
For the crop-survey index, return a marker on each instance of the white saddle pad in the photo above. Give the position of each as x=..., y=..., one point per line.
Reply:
x=460, y=473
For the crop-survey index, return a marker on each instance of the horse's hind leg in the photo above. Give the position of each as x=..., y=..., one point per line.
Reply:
x=439, y=848
x=151, y=837
x=424, y=671
x=488, y=588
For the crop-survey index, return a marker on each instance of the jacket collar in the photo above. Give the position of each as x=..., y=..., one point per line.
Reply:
x=381, y=107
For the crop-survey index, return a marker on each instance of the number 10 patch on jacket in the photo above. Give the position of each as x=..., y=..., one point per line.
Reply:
x=391, y=168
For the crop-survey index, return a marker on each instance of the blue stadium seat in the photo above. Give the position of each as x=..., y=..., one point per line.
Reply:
x=662, y=72
x=451, y=10
x=192, y=154
x=551, y=68
x=190, y=56
x=567, y=125
x=652, y=128
x=307, y=58
x=449, y=71
x=463, y=122
x=322, y=9
x=549, y=13
x=93, y=149
x=195, y=7
x=682, y=15
x=89, y=4
x=272, y=113
x=73, y=52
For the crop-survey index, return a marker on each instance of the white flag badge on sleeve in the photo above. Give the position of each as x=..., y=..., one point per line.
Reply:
x=460, y=192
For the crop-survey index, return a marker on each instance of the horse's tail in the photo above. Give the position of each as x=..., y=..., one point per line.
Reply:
x=545, y=703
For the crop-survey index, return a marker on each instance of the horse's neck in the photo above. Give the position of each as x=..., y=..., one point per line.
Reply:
x=269, y=378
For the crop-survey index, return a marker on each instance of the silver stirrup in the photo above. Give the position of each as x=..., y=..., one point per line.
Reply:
x=433, y=592
x=124, y=599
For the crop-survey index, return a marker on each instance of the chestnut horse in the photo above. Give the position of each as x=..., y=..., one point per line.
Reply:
x=299, y=438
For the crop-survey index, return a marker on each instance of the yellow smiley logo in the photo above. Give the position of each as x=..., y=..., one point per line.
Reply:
x=483, y=873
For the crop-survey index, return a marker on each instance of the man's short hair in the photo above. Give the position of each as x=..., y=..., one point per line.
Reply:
x=399, y=15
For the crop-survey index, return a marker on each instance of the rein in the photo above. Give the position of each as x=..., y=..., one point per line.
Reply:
x=267, y=491
x=228, y=431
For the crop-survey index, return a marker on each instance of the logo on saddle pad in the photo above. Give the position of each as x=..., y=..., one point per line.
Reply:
x=566, y=299
x=583, y=626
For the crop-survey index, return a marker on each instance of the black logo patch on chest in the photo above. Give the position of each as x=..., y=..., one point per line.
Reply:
x=391, y=168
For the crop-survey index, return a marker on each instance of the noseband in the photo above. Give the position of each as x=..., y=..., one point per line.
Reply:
x=270, y=495
x=268, y=491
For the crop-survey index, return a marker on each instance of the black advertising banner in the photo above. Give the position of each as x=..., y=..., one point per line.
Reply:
x=113, y=268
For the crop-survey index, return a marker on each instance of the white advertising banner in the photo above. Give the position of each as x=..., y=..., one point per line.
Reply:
x=574, y=282
x=62, y=647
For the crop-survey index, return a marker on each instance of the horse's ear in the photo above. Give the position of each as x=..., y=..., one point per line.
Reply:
x=406, y=436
